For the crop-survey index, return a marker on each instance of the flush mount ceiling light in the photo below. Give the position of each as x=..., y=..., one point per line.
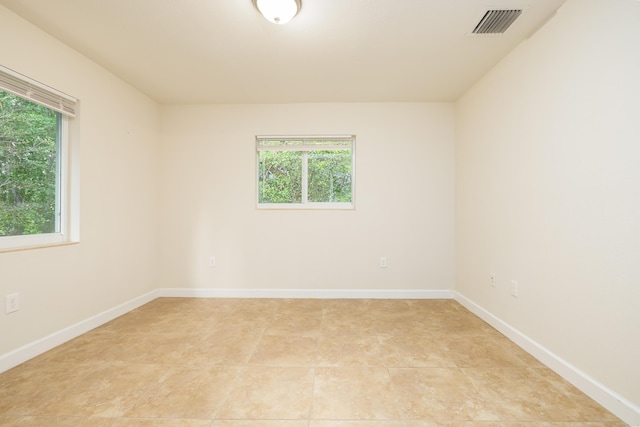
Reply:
x=278, y=11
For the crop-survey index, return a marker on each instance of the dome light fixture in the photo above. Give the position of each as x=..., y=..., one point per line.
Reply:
x=278, y=11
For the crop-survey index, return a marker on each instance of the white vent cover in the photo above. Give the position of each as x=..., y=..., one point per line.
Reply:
x=496, y=21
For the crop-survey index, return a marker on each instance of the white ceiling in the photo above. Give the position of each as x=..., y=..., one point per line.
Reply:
x=223, y=51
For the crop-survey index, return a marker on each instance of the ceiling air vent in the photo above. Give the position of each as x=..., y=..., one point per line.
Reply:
x=496, y=21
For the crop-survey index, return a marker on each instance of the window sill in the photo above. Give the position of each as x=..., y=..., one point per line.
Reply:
x=33, y=247
x=307, y=206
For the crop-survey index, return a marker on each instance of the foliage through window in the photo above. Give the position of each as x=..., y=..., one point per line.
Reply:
x=33, y=179
x=28, y=167
x=309, y=172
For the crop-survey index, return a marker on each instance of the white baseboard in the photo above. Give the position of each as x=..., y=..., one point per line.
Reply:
x=306, y=293
x=36, y=348
x=606, y=397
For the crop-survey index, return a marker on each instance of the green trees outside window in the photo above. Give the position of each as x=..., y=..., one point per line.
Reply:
x=329, y=176
x=28, y=167
x=280, y=178
x=305, y=171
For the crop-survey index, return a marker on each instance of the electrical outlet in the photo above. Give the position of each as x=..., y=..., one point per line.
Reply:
x=492, y=279
x=514, y=289
x=383, y=262
x=212, y=261
x=12, y=302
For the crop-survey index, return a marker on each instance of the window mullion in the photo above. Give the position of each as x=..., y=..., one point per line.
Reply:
x=305, y=176
x=60, y=181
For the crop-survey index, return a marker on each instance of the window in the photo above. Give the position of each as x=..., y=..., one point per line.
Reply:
x=306, y=172
x=33, y=166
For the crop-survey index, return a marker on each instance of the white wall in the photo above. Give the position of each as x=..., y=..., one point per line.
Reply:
x=548, y=190
x=117, y=136
x=404, y=200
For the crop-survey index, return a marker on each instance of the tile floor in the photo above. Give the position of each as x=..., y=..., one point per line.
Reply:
x=293, y=363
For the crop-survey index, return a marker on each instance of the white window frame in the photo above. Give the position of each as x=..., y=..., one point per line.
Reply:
x=66, y=212
x=304, y=204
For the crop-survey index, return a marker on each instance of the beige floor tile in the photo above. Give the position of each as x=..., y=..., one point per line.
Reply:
x=24, y=389
x=9, y=420
x=579, y=406
x=354, y=321
x=381, y=307
x=218, y=307
x=199, y=362
x=401, y=327
x=461, y=325
x=352, y=327
x=354, y=423
x=254, y=306
x=285, y=350
x=90, y=348
x=180, y=315
x=524, y=394
x=349, y=350
x=511, y=347
x=166, y=348
x=400, y=323
x=137, y=348
x=244, y=323
x=434, y=424
x=296, y=307
x=109, y=391
x=308, y=324
x=511, y=424
x=414, y=423
x=415, y=351
x=59, y=422
x=359, y=306
x=160, y=306
x=269, y=393
x=347, y=309
x=184, y=323
x=260, y=423
x=482, y=352
x=340, y=319
x=130, y=322
x=438, y=394
x=354, y=393
x=469, y=424
x=585, y=424
x=146, y=348
x=160, y=422
x=246, y=315
x=223, y=348
x=443, y=306
x=186, y=392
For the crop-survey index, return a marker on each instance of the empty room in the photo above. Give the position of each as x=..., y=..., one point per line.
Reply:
x=340, y=213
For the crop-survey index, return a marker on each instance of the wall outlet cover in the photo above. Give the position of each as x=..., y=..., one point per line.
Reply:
x=12, y=303
x=514, y=289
